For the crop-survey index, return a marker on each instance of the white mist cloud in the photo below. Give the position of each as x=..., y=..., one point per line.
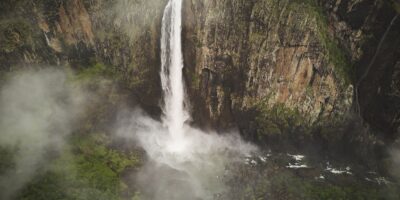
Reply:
x=37, y=109
x=181, y=170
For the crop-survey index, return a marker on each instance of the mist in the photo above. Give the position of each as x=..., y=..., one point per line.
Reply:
x=183, y=162
x=37, y=111
x=40, y=108
x=190, y=169
x=394, y=152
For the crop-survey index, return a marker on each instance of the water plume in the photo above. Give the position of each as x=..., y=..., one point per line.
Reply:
x=171, y=71
x=184, y=163
x=191, y=168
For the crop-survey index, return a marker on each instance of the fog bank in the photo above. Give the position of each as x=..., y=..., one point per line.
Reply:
x=37, y=109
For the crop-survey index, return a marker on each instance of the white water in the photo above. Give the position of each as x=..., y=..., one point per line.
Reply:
x=171, y=72
x=184, y=163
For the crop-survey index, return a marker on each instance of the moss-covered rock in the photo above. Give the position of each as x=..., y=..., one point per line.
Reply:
x=336, y=55
x=279, y=122
x=282, y=53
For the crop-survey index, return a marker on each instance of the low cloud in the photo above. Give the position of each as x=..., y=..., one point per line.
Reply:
x=37, y=112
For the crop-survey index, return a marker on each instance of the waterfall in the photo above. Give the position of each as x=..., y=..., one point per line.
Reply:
x=174, y=110
x=188, y=163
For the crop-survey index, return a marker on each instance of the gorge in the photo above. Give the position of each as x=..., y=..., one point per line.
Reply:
x=199, y=99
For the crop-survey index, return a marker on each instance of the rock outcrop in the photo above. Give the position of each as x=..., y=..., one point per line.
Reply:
x=369, y=31
x=122, y=35
x=268, y=67
x=288, y=63
x=262, y=57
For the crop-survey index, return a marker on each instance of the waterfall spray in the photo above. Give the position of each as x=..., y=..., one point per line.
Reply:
x=175, y=114
x=186, y=163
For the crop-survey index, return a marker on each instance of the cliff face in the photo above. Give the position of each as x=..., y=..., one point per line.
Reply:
x=252, y=54
x=121, y=35
x=368, y=31
x=270, y=67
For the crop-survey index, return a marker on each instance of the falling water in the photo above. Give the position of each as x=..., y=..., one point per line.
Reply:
x=185, y=163
x=171, y=71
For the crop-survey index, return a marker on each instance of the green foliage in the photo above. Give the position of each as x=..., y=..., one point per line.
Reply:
x=94, y=148
x=95, y=71
x=99, y=71
x=90, y=169
x=46, y=187
x=94, y=74
x=278, y=119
